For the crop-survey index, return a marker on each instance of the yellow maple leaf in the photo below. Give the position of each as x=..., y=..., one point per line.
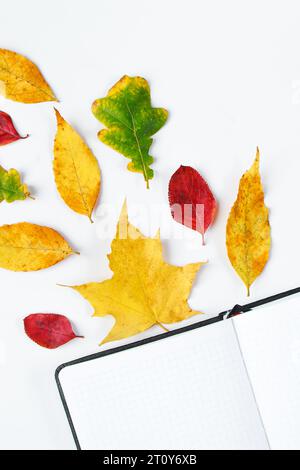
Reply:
x=21, y=80
x=76, y=170
x=144, y=289
x=30, y=247
x=248, y=236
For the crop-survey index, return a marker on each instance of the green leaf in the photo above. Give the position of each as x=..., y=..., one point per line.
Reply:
x=127, y=113
x=11, y=187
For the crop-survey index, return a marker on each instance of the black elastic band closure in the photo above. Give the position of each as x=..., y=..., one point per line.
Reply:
x=237, y=309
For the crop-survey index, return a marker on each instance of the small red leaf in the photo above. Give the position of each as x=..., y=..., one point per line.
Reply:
x=191, y=200
x=8, y=131
x=49, y=330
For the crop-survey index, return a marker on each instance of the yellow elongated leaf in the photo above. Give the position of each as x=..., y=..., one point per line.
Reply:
x=21, y=80
x=144, y=289
x=248, y=235
x=30, y=247
x=76, y=170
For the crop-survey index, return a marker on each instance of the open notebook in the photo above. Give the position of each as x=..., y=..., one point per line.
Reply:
x=234, y=384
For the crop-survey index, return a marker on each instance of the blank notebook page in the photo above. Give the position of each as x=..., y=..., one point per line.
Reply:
x=189, y=391
x=270, y=341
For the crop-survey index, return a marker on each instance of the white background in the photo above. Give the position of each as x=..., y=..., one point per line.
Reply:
x=229, y=73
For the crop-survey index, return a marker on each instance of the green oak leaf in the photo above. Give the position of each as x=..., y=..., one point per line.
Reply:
x=130, y=121
x=11, y=187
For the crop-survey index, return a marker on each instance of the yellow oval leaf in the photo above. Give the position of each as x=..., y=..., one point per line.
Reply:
x=248, y=236
x=76, y=170
x=30, y=247
x=21, y=80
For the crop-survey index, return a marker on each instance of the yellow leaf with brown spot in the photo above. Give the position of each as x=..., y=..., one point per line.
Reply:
x=30, y=247
x=144, y=289
x=21, y=80
x=76, y=170
x=248, y=237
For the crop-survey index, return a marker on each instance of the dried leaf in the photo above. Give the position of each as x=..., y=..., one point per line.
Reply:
x=76, y=170
x=21, y=80
x=49, y=330
x=30, y=247
x=144, y=289
x=131, y=121
x=248, y=236
x=8, y=132
x=191, y=200
x=11, y=187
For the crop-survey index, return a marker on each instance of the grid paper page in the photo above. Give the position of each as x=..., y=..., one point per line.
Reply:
x=270, y=341
x=189, y=391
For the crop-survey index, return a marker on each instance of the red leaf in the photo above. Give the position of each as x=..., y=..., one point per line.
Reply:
x=191, y=200
x=8, y=132
x=49, y=330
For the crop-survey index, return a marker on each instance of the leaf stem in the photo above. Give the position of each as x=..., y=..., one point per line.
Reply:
x=162, y=326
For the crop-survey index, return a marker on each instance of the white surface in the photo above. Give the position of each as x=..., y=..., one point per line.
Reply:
x=229, y=73
x=270, y=341
x=185, y=392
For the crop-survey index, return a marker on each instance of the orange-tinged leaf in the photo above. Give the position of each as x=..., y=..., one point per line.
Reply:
x=248, y=236
x=21, y=80
x=76, y=170
x=144, y=289
x=30, y=247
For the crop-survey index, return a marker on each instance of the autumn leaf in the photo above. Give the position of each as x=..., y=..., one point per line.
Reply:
x=8, y=132
x=11, y=187
x=248, y=236
x=49, y=330
x=191, y=200
x=76, y=170
x=30, y=247
x=21, y=80
x=144, y=289
x=131, y=121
